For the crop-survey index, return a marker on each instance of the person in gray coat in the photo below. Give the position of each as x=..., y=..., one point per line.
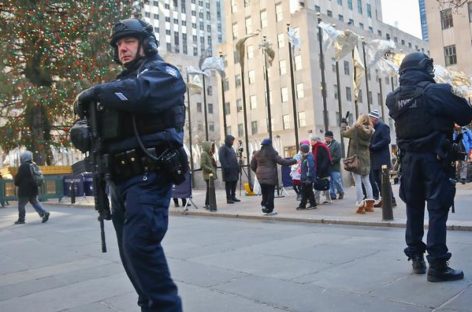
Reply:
x=230, y=168
x=28, y=189
x=264, y=164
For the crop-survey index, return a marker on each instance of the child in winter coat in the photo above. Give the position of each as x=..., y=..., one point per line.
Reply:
x=308, y=175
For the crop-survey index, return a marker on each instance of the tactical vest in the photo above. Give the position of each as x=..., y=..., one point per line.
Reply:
x=412, y=114
x=118, y=125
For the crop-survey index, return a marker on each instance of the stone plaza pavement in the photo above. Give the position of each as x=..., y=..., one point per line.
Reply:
x=234, y=260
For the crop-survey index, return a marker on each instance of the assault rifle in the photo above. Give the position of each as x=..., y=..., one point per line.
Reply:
x=99, y=165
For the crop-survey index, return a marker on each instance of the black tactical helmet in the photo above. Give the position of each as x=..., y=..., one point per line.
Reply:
x=417, y=61
x=134, y=28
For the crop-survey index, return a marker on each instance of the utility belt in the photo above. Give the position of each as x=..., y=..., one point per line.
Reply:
x=133, y=162
x=170, y=161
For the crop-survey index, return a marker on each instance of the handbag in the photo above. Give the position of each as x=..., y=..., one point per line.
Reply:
x=352, y=163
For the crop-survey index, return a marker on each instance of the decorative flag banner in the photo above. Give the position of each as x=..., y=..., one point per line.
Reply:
x=359, y=72
x=343, y=41
x=294, y=37
x=266, y=47
x=241, y=47
x=214, y=63
x=377, y=49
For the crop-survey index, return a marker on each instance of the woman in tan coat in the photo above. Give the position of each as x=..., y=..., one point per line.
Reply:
x=360, y=135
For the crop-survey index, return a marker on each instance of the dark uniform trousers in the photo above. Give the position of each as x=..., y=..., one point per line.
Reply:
x=424, y=179
x=140, y=216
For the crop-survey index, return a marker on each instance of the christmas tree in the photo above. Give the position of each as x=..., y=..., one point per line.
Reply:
x=49, y=52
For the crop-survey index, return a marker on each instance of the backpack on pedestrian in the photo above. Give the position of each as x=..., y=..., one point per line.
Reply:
x=37, y=174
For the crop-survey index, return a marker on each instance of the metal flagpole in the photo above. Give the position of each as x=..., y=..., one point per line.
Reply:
x=323, y=79
x=340, y=106
x=246, y=138
x=381, y=99
x=205, y=108
x=292, y=79
x=189, y=126
x=266, y=75
x=223, y=99
x=356, y=104
x=366, y=75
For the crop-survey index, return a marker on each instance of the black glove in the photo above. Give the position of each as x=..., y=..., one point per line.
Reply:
x=83, y=99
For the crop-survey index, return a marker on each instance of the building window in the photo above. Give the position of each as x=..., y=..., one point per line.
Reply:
x=359, y=96
x=228, y=130
x=279, y=13
x=379, y=98
x=349, y=4
x=369, y=10
x=252, y=76
x=359, y=6
x=301, y=119
x=335, y=91
x=237, y=79
x=298, y=62
x=226, y=84
x=446, y=19
x=341, y=18
x=469, y=5
x=248, y=24
x=281, y=40
x=286, y=121
x=450, y=56
x=200, y=126
x=227, y=108
x=235, y=31
x=369, y=97
x=282, y=67
x=348, y=94
x=317, y=8
x=239, y=105
x=263, y=19
x=210, y=108
x=199, y=107
x=329, y=13
x=346, y=68
x=211, y=127
x=284, y=94
x=250, y=52
x=240, y=130
x=254, y=127
x=340, y=2
x=253, y=101
x=300, y=91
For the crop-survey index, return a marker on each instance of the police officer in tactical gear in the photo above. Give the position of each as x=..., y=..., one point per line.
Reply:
x=424, y=114
x=142, y=120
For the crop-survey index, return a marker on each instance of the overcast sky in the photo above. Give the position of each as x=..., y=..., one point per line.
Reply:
x=405, y=12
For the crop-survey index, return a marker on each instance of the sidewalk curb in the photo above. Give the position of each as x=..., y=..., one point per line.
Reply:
x=202, y=213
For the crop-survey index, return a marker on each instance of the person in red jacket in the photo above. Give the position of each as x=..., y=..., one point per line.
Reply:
x=323, y=160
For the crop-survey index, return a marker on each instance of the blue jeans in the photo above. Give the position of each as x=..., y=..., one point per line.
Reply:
x=22, y=201
x=140, y=216
x=335, y=183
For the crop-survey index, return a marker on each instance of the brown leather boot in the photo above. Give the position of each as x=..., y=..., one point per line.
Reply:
x=360, y=207
x=369, y=205
x=379, y=204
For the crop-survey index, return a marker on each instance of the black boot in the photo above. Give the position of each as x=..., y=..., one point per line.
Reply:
x=419, y=266
x=19, y=221
x=45, y=217
x=439, y=271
